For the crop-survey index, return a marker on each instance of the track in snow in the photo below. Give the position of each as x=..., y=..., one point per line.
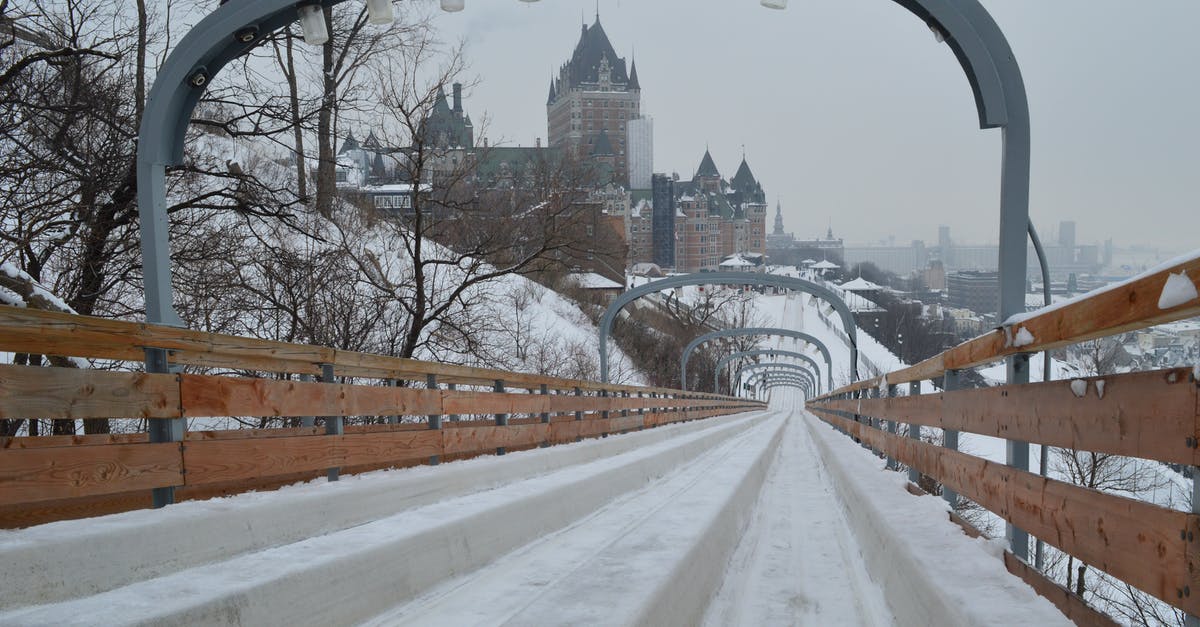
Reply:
x=798, y=562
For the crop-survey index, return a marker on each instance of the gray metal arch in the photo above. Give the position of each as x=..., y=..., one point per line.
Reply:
x=800, y=335
x=785, y=381
x=729, y=278
x=759, y=377
x=766, y=374
x=753, y=370
x=188, y=70
x=765, y=351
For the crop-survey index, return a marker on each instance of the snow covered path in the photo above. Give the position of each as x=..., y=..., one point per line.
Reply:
x=798, y=562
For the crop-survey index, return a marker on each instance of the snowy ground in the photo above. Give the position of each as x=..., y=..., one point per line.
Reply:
x=769, y=518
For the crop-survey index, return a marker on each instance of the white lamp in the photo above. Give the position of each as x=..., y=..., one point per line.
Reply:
x=453, y=5
x=312, y=22
x=380, y=11
x=775, y=4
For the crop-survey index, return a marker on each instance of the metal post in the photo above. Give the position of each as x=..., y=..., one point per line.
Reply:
x=452, y=387
x=544, y=390
x=891, y=428
x=914, y=432
x=307, y=421
x=1017, y=456
x=435, y=420
x=393, y=419
x=163, y=430
x=501, y=419
x=951, y=382
x=333, y=424
x=578, y=414
x=641, y=411
x=1038, y=551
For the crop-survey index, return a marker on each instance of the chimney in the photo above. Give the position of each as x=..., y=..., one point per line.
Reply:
x=539, y=142
x=458, y=97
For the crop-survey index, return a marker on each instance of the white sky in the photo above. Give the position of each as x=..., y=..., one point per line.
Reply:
x=850, y=111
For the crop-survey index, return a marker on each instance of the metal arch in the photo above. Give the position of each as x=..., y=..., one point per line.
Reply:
x=765, y=351
x=203, y=51
x=798, y=372
x=801, y=384
x=729, y=278
x=752, y=370
x=800, y=335
x=783, y=376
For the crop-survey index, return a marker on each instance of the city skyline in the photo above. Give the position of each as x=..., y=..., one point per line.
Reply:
x=876, y=98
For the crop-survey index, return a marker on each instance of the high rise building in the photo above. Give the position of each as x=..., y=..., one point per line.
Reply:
x=641, y=152
x=663, y=225
x=594, y=94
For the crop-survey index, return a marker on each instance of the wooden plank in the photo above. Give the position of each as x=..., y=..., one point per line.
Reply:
x=234, y=460
x=566, y=431
x=73, y=394
x=1152, y=415
x=204, y=395
x=483, y=439
x=495, y=403
x=387, y=448
x=58, y=441
x=1140, y=543
x=32, y=475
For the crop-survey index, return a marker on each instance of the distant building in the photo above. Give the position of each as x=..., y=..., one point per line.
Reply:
x=974, y=290
x=641, y=152
x=594, y=94
x=663, y=221
x=718, y=218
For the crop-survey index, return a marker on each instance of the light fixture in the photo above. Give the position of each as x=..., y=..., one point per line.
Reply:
x=312, y=22
x=380, y=12
x=775, y=4
x=453, y=5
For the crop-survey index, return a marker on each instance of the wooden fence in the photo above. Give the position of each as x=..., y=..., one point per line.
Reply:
x=1150, y=415
x=56, y=477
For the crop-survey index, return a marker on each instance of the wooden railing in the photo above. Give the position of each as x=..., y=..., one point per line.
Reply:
x=1150, y=415
x=55, y=477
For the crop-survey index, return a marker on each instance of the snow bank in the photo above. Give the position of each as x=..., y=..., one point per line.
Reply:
x=932, y=573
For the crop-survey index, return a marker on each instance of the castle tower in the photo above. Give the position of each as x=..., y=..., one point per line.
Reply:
x=594, y=93
x=778, y=230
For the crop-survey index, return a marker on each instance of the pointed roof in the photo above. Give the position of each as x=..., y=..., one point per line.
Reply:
x=707, y=167
x=593, y=46
x=633, y=79
x=371, y=141
x=349, y=144
x=550, y=98
x=744, y=179
x=440, y=105
x=602, y=146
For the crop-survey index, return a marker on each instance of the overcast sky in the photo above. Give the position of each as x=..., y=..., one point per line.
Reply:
x=852, y=113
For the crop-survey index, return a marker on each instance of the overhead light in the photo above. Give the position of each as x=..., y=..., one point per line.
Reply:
x=453, y=6
x=312, y=22
x=380, y=12
x=775, y=4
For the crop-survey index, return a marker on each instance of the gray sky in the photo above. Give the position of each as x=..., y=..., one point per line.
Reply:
x=850, y=111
